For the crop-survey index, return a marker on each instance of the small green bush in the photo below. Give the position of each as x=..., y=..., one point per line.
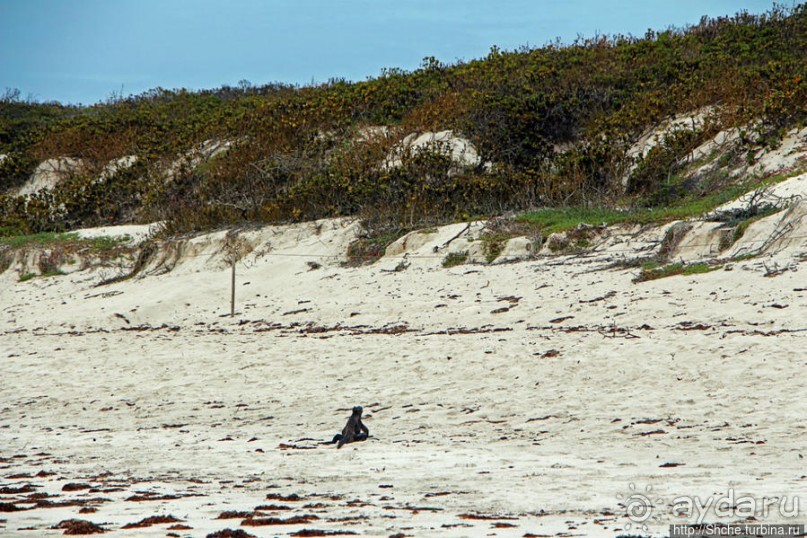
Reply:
x=455, y=258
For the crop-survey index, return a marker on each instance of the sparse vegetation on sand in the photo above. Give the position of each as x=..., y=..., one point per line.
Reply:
x=654, y=271
x=52, y=239
x=54, y=250
x=453, y=259
x=551, y=220
x=371, y=247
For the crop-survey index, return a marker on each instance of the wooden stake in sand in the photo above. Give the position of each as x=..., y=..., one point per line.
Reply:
x=232, y=289
x=234, y=249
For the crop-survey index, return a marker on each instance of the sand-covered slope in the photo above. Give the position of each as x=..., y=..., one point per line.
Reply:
x=506, y=399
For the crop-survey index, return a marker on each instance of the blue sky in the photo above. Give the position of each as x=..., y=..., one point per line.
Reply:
x=84, y=51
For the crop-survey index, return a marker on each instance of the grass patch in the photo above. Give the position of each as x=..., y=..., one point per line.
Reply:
x=106, y=242
x=52, y=239
x=29, y=276
x=553, y=220
x=455, y=258
x=545, y=222
x=38, y=239
x=653, y=271
x=6, y=231
x=743, y=257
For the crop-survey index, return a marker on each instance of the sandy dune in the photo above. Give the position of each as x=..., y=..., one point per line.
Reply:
x=516, y=399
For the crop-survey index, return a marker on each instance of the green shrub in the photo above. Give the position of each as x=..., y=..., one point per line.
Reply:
x=453, y=259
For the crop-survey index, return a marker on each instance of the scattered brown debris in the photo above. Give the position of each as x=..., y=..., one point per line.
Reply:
x=75, y=487
x=774, y=333
x=671, y=464
x=444, y=493
x=596, y=299
x=485, y=517
x=179, y=527
x=288, y=498
x=229, y=533
x=414, y=509
x=547, y=417
x=561, y=319
x=8, y=507
x=164, y=326
x=79, y=526
x=149, y=496
x=149, y=521
x=273, y=507
x=654, y=432
x=617, y=332
x=298, y=311
x=393, y=329
x=347, y=519
x=549, y=354
x=265, y=521
x=319, y=532
x=647, y=421
x=502, y=525
x=234, y=514
x=608, y=331
x=348, y=330
x=44, y=503
x=27, y=488
x=691, y=326
x=469, y=330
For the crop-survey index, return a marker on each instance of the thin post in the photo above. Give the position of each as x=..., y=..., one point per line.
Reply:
x=232, y=289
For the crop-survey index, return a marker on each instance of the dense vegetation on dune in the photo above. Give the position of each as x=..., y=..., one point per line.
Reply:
x=551, y=125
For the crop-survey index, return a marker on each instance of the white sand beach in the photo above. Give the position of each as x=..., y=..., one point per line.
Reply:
x=531, y=398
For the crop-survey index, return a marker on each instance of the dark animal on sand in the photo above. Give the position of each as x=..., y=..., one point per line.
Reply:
x=354, y=430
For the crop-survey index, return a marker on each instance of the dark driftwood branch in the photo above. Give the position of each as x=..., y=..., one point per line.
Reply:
x=444, y=245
